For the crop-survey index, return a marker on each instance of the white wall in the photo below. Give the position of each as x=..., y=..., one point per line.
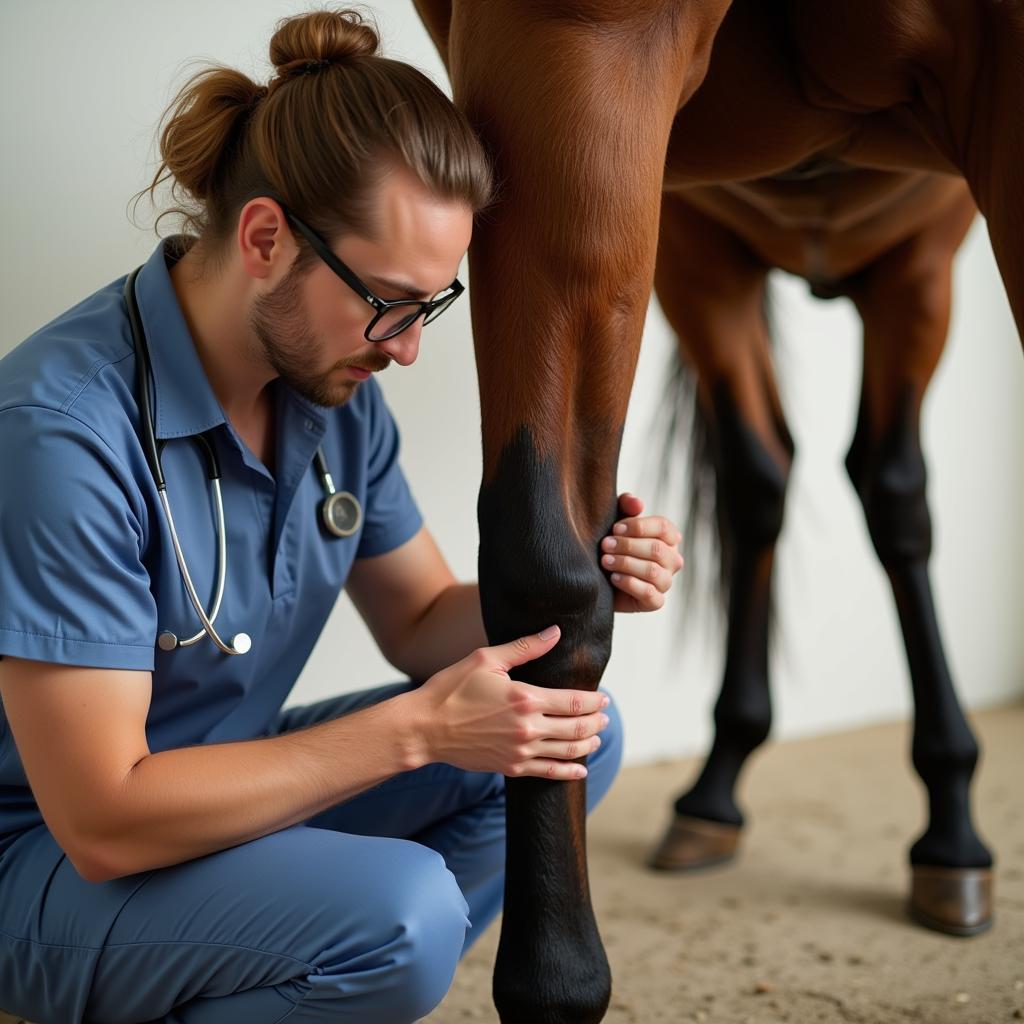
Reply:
x=82, y=87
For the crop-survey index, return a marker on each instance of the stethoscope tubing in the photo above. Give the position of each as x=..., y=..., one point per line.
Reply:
x=341, y=502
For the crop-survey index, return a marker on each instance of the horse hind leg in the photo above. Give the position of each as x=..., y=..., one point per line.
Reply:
x=712, y=292
x=904, y=302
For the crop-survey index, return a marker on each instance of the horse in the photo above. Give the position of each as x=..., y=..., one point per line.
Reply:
x=586, y=109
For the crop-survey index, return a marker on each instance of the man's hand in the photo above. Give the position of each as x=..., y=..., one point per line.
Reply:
x=642, y=555
x=474, y=716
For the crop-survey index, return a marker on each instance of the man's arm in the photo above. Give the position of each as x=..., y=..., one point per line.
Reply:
x=116, y=808
x=421, y=617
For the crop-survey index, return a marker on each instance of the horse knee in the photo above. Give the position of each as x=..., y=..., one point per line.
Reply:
x=751, y=481
x=539, y=566
x=890, y=479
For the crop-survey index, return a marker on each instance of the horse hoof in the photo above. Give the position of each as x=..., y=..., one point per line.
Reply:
x=692, y=843
x=957, y=901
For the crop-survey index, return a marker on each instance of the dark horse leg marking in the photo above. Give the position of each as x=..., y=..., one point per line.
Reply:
x=889, y=475
x=534, y=564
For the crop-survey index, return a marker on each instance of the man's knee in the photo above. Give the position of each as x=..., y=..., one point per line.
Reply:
x=414, y=932
x=603, y=764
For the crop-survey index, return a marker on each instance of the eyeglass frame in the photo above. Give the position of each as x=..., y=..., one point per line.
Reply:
x=349, y=276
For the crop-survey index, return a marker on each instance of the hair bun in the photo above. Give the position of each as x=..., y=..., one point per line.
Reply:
x=308, y=42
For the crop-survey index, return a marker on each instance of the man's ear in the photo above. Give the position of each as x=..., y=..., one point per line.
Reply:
x=265, y=244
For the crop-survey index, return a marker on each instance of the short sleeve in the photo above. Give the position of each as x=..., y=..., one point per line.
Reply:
x=73, y=588
x=391, y=516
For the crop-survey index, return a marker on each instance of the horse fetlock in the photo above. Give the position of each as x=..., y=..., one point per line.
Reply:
x=527, y=991
x=938, y=760
x=743, y=721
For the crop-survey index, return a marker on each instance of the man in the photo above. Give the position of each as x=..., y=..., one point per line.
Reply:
x=173, y=846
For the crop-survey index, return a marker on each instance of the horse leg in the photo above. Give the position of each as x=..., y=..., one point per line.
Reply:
x=711, y=289
x=575, y=101
x=904, y=301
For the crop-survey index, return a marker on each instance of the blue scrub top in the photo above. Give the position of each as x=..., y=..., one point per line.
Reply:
x=88, y=574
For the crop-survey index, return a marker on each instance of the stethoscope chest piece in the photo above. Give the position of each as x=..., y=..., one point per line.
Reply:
x=341, y=513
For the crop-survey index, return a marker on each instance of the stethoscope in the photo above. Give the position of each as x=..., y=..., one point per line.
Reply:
x=340, y=511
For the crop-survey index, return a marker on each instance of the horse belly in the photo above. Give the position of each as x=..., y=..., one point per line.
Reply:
x=828, y=229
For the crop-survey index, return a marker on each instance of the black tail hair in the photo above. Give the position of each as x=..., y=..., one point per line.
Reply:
x=687, y=438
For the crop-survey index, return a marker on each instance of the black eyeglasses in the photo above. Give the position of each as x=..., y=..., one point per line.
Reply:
x=392, y=316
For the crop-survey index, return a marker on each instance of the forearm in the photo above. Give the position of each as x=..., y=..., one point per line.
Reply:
x=180, y=804
x=451, y=628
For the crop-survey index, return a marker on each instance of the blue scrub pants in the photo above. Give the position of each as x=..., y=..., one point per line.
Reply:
x=359, y=914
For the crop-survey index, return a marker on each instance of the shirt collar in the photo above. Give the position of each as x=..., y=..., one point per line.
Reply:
x=185, y=402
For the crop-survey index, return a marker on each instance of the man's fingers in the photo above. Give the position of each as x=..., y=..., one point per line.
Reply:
x=646, y=572
x=567, y=702
x=568, y=750
x=544, y=768
x=519, y=652
x=647, y=595
x=630, y=504
x=567, y=727
x=648, y=526
x=651, y=550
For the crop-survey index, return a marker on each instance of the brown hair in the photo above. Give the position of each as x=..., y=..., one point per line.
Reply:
x=320, y=136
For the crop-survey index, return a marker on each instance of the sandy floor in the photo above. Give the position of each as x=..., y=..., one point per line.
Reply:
x=808, y=925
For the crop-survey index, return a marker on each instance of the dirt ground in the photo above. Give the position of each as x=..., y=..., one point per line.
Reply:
x=808, y=925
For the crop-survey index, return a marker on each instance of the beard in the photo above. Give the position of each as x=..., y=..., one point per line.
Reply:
x=288, y=343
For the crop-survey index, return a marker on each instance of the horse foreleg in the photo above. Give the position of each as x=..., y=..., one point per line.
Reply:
x=711, y=290
x=574, y=102
x=904, y=302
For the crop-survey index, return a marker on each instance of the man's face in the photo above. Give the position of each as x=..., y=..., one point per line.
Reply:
x=310, y=327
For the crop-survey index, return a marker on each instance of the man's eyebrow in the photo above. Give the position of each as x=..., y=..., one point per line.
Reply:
x=403, y=288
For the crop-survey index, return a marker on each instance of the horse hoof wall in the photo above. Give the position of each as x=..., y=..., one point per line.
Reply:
x=693, y=843
x=957, y=901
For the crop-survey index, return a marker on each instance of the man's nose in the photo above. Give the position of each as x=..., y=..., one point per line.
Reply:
x=405, y=347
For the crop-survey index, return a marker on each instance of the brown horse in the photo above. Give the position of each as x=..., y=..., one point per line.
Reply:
x=585, y=107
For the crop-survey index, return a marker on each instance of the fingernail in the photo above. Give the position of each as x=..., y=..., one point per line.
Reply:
x=604, y=720
x=605, y=701
x=547, y=634
x=616, y=576
x=581, y=772
x=608, y=560
x=619, y=528
x=610, y=543
x=596, y=743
